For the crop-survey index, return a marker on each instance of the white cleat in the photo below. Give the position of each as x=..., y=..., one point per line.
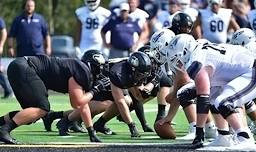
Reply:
x=211, y=132
x=191, y=134
x=243, y=144
x=222, y=141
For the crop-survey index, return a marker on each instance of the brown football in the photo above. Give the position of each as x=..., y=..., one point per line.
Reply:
x=164, y=131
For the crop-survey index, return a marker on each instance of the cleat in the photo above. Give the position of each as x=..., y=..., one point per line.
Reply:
x=191, y=134
x=146, y=128
x=62, y=126
x=103, y=129
x=198, y=142
x=77, y=127
x=222, y=141
x=6, y=138
x=211, y=132
x=47, y=122
x=133, y=130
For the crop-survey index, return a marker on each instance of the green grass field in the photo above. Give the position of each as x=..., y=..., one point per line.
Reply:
x=35, y=133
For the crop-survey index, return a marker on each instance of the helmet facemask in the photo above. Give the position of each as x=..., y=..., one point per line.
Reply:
x=92, y=4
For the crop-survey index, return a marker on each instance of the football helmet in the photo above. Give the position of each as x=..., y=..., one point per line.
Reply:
x=180, y=49
x=242, y=37
x=146, y=49
x=92, y=4
x=141, y=65
x=184, y=3
x=181, y=23
x=159, y=40
x=211, y=2
x=97, y=62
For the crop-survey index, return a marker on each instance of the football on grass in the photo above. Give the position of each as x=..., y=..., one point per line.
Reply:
x=164, y=131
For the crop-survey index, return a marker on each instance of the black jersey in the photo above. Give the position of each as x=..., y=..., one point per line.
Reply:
x=55, y=72
x=121, y=75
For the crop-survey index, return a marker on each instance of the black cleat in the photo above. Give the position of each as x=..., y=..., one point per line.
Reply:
x=146, y=128
x=198, y=142
x=62, y=126
x=133, y=130
x=103, y=129
x=6, y=138
x=77, y=127
x=47, y=120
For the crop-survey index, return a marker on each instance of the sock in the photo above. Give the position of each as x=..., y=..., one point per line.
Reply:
x=2, y=121
x=223, y=132
x=200, y=132
x=101, y=121
x=9, y=126
x=161, y=112
x=192, y=127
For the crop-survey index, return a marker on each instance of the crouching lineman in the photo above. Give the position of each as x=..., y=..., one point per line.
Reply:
x=125, y=75
x=222, y=68
x=31, y=77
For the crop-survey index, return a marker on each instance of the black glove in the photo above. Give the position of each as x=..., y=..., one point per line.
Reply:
x=92, y=134
x=186, y=93
x=101, y=85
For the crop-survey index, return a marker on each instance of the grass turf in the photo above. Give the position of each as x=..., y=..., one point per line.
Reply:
x=35, y=133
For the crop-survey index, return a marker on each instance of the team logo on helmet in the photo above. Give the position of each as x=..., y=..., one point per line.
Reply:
x=134, y=61
x=99, y=58
x=155, y=39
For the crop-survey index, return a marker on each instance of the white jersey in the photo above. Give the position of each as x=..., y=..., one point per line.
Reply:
x=215, y=26
x=164, y=19
x=192, y=12
x=227, y=61
x=92, y=23
x=252, y=19
x=140, y=16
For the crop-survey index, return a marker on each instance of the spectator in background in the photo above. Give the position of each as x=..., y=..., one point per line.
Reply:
x=240, y=10
x=213, y=23
x=3, y=80
x=90, y=20
x=252, y=17
x=122, y=30
x=31, y=32
x=141, y=16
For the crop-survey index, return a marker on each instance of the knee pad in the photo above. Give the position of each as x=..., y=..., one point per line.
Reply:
x=226, y=110
x=214, y=110
x=250, y=106
x=203, y=104
x=185, y=104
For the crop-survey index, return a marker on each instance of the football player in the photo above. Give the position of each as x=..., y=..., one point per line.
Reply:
x=31, y=77
x=90, y=19
x=227, y=72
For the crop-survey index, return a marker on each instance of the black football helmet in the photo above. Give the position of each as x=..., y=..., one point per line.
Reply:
x=97, y=62
x=181, y=23
x=146, y=49
x=141, y=65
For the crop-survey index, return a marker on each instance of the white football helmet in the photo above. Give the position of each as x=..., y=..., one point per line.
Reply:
x=92, y=4
x=180, y=49
x=210, y=2
x=159, y=40
x=243, y=36
x=184, y=4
